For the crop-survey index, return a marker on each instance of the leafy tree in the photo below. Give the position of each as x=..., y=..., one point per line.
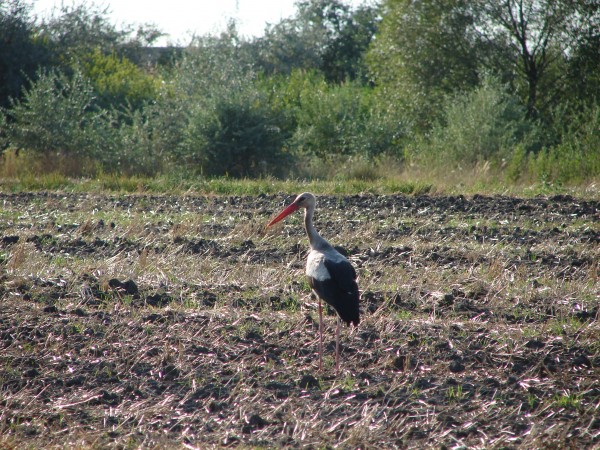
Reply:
x=425, y=50
x=342, y=119
x=74, y=31
x=535, y=38
x=325, y=34
x=583, y=71
x=326, y=120
x=71, y=35
x=228, y=125
x=214, y=61
x=344, y=56
x=20, y=51
x=430, y=48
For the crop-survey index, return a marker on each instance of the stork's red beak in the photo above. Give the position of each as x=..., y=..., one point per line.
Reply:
x=286, y=212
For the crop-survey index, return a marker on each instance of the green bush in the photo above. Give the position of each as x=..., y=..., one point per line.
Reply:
x=342, y=119
x=577, y=157
x=59, y=118
x=517, y=164
x=321, y=114
x=235, y=133
x=136, y=150
x=118, y=82
x=483, y=125
x=227, y=124
x=58, y=115
x=210, y=65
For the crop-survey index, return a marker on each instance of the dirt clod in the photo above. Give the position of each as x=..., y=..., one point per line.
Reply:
x=308, y=382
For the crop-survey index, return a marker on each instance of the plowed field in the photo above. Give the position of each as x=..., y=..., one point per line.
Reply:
x=165, y=321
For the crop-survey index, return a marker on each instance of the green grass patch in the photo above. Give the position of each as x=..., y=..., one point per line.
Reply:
x=568, y=400
x=215, y=186
x=165, y=184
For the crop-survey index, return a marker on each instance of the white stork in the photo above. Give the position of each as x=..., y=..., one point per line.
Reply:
x=330, y=275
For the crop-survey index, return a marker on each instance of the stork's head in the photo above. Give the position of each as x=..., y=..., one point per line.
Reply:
x=305, y=200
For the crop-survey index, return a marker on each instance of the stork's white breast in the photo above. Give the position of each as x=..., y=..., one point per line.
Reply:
x=315, y=264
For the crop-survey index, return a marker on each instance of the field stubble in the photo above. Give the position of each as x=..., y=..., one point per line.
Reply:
x=160, y=320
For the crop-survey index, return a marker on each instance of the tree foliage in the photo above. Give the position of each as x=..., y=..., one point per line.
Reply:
x=511, y=84
x=57, y=115
x=21, y=50
x=485, y=124
x=117, y=81
x=535, y=40
x=429, y=48
x=71, y=35
x=236, y=134
x=228, y=126
x=424, y=51
x=74, y=30
x=325, y=35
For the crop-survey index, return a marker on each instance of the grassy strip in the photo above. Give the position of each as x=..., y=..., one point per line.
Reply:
x=217, y=186
x=344, y=177
x=401, y=184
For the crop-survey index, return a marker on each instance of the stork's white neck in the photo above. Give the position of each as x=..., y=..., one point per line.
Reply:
x=314, y=238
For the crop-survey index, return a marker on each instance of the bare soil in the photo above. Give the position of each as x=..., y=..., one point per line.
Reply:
x=164, y=321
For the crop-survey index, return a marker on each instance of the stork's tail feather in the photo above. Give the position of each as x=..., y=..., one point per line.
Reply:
x=351, y=319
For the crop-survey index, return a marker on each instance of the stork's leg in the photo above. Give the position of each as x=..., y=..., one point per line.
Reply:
x=320, y=334
x=337, y=347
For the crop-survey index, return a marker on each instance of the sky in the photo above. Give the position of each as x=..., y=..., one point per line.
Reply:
x=182, y=18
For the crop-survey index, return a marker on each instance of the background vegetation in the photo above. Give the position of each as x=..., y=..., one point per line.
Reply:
x=508, y=90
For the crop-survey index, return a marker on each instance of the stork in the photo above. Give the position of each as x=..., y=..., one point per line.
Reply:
x=330, y=275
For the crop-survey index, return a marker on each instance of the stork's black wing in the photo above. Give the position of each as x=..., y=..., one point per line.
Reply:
x=340, y=291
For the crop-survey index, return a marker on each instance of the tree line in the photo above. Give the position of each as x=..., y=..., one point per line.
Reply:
x=447, y=84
